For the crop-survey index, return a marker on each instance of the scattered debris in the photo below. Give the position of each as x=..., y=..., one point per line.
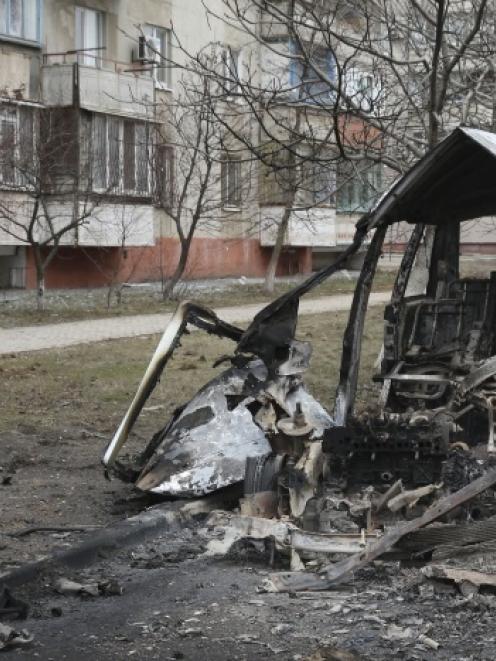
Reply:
x=189, y=631
x=330, y=653
x=411, y=498
x=336, y=573
x=281, y=629
x=400, y=634
x=230, y=528
x=468, y=581
x=9, y=637
x=102, y=588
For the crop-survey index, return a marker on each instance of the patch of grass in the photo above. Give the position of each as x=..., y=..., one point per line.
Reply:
x=144, y=302
x=60, y=408
x=91, y=386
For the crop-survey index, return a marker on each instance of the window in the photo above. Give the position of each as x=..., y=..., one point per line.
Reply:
x=20, y=19
x=314, y=180
x=26, y=145
x=277, y=179
x=16, y=145
x=141, y=142
x=115, y=154
x=307, y=84
x=362, y=89
x=129, y=156
x=359, y=186
x=230, y=60
x=90, y=36
x=231, y=181
x=58, y=147
x=114, y=161
x=164, y=176
x=8, y=121
x=318, y=183
x=99, y=151
x=159, y=51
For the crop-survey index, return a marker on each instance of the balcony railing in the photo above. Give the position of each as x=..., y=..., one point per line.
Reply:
x=110, y=87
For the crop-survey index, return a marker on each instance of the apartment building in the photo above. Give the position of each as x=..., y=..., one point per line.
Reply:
x=82, y=78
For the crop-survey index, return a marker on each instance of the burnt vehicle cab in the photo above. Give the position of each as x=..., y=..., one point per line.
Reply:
x=438, y=367
x=256, y=423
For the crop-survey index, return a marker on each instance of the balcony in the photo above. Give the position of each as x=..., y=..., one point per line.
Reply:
x=108, y=89
x=311, y=228
x=108, y=225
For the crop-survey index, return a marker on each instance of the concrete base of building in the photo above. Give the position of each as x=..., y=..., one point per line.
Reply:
x=208, y=258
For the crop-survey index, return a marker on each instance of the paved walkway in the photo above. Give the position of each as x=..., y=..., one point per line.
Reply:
x=52, y=336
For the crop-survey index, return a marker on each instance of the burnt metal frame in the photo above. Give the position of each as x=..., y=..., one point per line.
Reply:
x=282, y=312
x=186, y=312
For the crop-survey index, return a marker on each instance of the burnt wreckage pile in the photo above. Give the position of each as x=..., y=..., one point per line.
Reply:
x=363, y=485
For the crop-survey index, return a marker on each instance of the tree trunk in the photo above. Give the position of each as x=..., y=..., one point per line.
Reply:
x=170, y=284
x=40, y=290
x=270, y=274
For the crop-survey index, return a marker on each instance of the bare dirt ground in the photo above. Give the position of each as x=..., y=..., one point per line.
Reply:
x=178, y=604
x=60, y=408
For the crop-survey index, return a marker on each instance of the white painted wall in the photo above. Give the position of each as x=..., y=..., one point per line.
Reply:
x=313, y=227
x=107, y=224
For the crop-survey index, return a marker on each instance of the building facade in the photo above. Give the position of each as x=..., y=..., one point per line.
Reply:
x=79, y=95
x=84, y=89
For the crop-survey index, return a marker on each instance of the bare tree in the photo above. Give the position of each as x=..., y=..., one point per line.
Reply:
x=200, y=178
x=371, y=82
x=46, y=197
x=285, y=141
x=398, y=75
x=335, y=86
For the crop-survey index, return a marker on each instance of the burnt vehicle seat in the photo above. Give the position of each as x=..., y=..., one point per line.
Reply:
x=478, y=315
x=461, y=323
x=431, y=328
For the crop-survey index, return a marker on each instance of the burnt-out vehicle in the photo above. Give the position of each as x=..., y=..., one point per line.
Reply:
x=257, y=423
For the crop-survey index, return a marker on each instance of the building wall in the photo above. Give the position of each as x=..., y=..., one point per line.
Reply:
x=208, y=258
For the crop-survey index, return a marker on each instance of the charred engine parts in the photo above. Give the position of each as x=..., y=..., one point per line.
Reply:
x=382, y=451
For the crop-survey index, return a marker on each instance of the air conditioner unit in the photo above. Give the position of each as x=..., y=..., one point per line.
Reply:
x=148, y=49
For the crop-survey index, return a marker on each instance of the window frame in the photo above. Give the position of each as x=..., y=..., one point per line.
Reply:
x=6, y=35
x=164, y=176
x=95, y=61
x=164, y=34
x=231, y=58
x=16, y=111
x=299, y=80
x=127, y=152
x=231, y=196
x=361, y=187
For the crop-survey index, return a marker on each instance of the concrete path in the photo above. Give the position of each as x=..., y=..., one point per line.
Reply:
x=53, y=336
